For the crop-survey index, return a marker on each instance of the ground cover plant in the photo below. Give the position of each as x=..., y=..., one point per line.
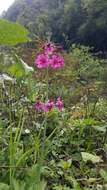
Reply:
x=53, y=119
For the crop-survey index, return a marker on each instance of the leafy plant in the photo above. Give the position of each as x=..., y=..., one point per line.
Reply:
x=12, y=33
x=4, y=186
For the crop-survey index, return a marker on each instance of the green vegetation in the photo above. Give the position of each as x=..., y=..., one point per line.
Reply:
x=74, y=157
x=58, y=149
x=69, y=21
x=12, y=33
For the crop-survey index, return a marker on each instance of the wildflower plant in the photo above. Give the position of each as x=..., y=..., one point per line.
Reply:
x=48, y=59
x=49, y=105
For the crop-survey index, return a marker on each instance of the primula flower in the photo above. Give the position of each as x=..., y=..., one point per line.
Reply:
x=56, y=61
x=42, y=61
x=39, y=106
x=48, y=106
x=49, y=48
x=49, y=58
x=59, y=104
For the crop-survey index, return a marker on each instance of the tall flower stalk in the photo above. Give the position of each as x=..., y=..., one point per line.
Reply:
x=49, y=58
x=45, y=123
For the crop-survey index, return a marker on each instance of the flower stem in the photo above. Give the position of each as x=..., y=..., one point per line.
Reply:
x=47, y=83
x=45, y=121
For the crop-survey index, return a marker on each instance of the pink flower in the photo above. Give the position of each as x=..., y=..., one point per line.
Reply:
x=49, y=57
x=49, y=48
x=42, y=61
x=59, y=104
x=56, y=61
x=39, y=106
x=48, y=106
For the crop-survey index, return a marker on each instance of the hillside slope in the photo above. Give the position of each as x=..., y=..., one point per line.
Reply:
x=69, y=21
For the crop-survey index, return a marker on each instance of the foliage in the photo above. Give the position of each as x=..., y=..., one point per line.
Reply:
x=75, y=156
x=12, y=33
x=68, y=21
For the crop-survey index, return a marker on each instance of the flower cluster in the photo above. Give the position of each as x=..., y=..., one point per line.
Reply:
x=49, y=105
x=49, y=57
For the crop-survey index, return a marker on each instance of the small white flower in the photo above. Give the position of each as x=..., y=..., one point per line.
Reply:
x=27, y=131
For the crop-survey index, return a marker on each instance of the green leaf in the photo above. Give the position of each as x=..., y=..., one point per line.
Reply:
x=90, y=157
x=76, y=185
x=18, y=185
x=65, y=164
x=4, y=186
x=19, y=68
x=100, y=128
x=34, y=178
x=12, y=33
x=16, y=70
x=35, y=173
x=60, y=187
x=40, y=186
x=103, y=174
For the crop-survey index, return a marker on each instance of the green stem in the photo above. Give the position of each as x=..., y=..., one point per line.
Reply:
x=11, y=154
x=45, y=121
x=11, y=157
x=47, y=83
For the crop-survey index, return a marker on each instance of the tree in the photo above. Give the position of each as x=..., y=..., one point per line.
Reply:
x=70, y=21
x=93, y=31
